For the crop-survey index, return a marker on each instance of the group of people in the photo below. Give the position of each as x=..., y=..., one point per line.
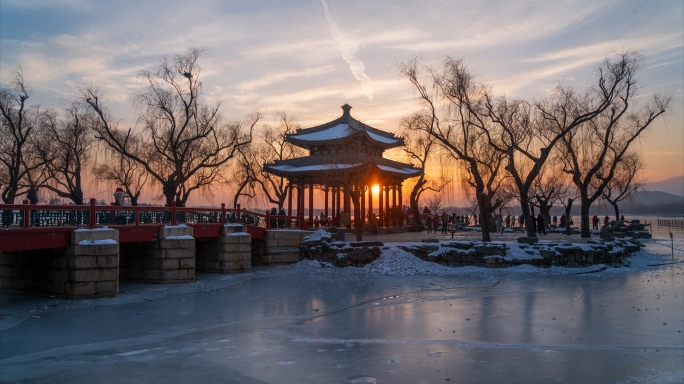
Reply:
x=538, y=223
x=432, y=222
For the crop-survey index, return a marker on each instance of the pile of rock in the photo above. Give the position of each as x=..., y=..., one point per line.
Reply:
x=322, y=246
x=461, y=253
x=624, y=229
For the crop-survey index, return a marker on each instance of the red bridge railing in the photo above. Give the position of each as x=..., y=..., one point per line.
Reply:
x=28, y=217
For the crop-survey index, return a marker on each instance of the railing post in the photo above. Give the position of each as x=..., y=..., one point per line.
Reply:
x=238, y=214
x=92, y=213
x=27, y=214
x=301, y=220
x=268, y=220
x=173, y=213
x=223, y=213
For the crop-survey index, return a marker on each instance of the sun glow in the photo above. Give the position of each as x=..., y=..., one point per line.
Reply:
x=375, y=189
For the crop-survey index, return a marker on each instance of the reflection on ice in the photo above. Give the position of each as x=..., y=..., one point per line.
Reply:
x=304, y=323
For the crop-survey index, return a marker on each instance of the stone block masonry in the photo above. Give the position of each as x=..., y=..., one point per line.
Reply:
x=230, y=252
x=88, y=268
x=281, y=247
x=168, y=260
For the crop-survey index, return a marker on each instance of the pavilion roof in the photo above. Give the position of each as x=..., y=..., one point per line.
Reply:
x=325, y=166
x=342, y=130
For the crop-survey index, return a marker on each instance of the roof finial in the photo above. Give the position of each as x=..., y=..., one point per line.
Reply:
x=345, y=109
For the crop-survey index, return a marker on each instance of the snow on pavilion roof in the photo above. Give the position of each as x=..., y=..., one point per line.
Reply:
x=323, y=165
x=341, y=130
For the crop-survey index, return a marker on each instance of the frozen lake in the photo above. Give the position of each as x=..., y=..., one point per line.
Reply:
x=306, y=324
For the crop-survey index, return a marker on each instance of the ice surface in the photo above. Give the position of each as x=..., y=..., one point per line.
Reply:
x=398, y=320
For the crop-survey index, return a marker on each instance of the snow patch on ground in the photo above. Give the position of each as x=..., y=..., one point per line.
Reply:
x=397, y=262
x=317, y=236
x=97, y=242
x=105, y=228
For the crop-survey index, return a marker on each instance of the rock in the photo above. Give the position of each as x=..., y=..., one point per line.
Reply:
x=548, y=253
x=528, y=240
x=342, y=260
x=491, y=249
x=459, y=244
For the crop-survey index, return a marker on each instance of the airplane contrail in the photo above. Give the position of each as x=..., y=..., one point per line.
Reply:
x=348, y=49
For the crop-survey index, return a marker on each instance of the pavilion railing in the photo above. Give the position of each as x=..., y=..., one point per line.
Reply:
x=15, y=216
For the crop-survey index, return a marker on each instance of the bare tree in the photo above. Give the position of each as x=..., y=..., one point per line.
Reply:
x=593, y=152
x=245, y=169
x=419, y=146
x=527, y=133
x=273, y=147
x=434, y=203
x=454, y=102
x=123, y=171
x=188, y=142
x=21, y=127
x=551, y=186
x=625, y=181
x=71, y=142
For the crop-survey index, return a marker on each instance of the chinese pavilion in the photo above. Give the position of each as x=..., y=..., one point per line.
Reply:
x=346, y=157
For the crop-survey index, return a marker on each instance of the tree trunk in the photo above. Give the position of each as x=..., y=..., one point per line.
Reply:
x=617, y=210
x=568, y=208
x=584, y=218
x=544, y=209
x=525, y=206
x=413, y=202
x=485, y=216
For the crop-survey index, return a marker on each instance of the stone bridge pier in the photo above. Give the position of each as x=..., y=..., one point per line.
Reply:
x=89, y=267
x=95, y=261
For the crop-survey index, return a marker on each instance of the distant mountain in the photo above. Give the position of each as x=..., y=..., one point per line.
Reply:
x=673, y=185
x=653, y=198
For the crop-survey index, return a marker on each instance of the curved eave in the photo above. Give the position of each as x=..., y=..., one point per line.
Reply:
x=322, y=166
x=343, y=130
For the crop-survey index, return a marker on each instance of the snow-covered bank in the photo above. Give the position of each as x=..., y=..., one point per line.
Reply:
x=395, y=260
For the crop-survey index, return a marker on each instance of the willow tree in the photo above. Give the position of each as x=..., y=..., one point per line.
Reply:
x=454, y=103
x=625, y=181
x=420, y=146
x=122, y=171
x=22, y=139
x=593, y=152
x=70, y=151
x=273, y=147
x=187, y=140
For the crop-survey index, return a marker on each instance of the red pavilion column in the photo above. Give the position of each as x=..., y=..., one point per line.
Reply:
x=401, y=209
x=388, y=214
x=339, y=200
x=300, y=198
x=311, y=211
x=370, y=202
x=289, y=198
x=362, y=191
x=325, y=210
x=381, y=215
x=394, y=205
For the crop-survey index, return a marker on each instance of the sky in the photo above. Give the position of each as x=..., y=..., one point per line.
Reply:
x=309, y=57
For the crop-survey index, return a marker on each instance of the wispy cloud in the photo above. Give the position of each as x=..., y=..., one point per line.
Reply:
x=348, y=49
x=277, y=77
